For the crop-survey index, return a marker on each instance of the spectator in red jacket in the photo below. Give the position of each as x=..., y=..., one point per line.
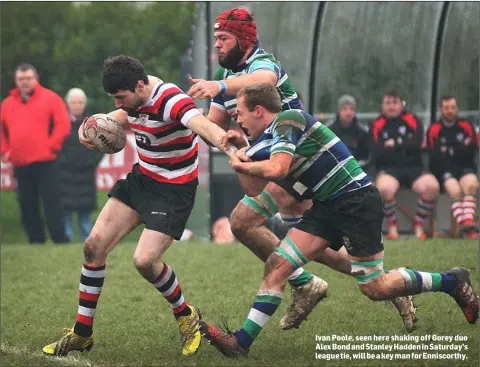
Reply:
x=452, y=144
x=34, y=124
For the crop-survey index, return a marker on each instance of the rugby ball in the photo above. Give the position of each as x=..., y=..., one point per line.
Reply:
x=105, y=133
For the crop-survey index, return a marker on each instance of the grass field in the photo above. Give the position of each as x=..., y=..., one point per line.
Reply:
x=135, y=327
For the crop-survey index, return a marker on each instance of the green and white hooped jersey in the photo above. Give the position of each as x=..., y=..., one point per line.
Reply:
x=258, y=60
x=322, y=164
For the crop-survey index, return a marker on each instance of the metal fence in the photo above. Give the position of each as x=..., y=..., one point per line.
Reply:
x=422, y=49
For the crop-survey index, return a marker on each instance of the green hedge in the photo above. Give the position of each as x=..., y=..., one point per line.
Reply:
x=11, y=228
x=12, y=232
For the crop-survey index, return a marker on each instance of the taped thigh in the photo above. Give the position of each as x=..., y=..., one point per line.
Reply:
x=262, y=204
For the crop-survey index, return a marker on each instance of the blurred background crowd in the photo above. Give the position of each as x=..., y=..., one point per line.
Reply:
x=369, y=70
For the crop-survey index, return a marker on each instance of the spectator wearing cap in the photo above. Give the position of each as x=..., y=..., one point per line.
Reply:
x=34, y=125
x=77, y=166
x=354, y=134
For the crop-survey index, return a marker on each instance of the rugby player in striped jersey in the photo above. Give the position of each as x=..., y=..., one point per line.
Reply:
x=293, y=147
x=159, y=192
x=243, y=62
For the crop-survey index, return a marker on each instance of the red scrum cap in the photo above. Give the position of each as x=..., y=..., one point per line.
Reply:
x=240, y=23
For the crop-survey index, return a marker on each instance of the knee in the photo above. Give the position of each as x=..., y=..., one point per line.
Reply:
x=374, y=291
x=428, y=186
x=472, y=188
x=387, y=195
x=238, y=223
x=454, y=194
x=387, y=191
x=143, y=263
x=92, y=247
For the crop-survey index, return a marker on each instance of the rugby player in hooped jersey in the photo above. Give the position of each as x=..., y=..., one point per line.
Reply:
x=159, y=192
x=347, y=209
x=243, y=62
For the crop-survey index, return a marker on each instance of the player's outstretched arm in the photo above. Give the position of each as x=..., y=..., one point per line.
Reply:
x=230, y=87
x=234, y=85
x=209, y=131
x=218, y=117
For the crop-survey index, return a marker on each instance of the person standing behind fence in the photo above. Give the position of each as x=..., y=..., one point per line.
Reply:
x=34, y=125
x=77, y=166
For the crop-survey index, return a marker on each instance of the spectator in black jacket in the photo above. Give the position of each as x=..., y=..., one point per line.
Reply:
x=397, y=143
x=452, y=144
x=77, y=166
x=354, y=134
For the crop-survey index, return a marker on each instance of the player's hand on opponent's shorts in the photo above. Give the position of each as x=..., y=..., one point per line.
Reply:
x=83, y=139
x=202, y=88
x=234, y=137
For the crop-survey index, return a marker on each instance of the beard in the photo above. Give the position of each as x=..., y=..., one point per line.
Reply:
x=128, y=109
x=232, y=58
x=131, y=109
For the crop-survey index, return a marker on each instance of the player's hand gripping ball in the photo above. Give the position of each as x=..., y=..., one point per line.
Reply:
x=105, y=133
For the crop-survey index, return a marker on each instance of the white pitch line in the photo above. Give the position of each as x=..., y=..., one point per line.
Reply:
x=66, y=361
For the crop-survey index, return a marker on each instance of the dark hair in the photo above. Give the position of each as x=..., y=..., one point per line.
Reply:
x=24, y=67
x=394, y=94
x=265, y=95
x=446, y=98
x=122, y=73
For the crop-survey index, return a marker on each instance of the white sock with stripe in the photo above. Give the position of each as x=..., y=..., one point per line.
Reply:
x=265, y=304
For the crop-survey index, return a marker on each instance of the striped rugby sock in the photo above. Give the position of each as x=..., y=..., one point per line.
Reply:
x=264, y=306
x=424, y=210
x=167, y=284
x=390, y=213
x=91, y=283
x=420, y=282
x=469, y=207
x=300, y=277
x=457, y=211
